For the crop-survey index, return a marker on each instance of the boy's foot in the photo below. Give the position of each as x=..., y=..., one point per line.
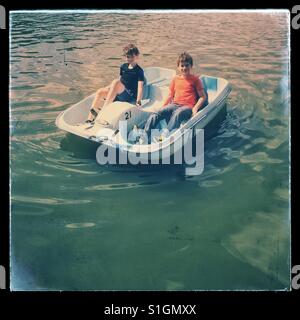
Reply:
x=158, y=139
x=142, y=139
x=94, y=113
x=164, y=135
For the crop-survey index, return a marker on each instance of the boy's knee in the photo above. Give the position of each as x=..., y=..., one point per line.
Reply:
x=100, y=91
x=185, y=111
x=115, y=82
x=153, y=117
x=178, y=112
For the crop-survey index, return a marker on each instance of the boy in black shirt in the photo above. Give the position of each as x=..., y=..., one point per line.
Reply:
x=128, y=88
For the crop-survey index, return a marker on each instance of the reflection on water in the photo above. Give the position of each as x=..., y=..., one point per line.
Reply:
x=261, y=243
x=79, y=226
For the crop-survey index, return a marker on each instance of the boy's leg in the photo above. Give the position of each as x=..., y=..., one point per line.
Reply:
x=100, y=94
x=179, y=115
x=115, y=88
x=164, y=113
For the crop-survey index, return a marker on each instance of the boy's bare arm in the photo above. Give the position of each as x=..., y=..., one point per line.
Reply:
x=199, y=103
x=168, y=99
x=140, y=92
x=171, y=95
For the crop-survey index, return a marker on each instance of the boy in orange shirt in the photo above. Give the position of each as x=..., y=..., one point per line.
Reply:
x=186, y=97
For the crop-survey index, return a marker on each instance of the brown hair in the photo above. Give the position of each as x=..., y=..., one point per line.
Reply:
x=130, y=50
x=185, y=57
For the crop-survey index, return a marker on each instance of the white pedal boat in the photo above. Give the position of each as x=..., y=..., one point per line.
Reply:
x=106, y=129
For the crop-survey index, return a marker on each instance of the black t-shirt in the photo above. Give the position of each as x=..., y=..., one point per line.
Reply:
x=130, y=77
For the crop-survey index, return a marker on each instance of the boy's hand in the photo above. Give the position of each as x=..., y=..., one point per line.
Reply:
x=195, y=110
x=138, y=103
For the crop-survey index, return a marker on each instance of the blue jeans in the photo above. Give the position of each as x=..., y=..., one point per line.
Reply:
x=173, y=113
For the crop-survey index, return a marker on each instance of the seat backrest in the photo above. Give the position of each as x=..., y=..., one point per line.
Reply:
x=158, y=93
x=210, y=83
x=155, y=75
x=146, y=91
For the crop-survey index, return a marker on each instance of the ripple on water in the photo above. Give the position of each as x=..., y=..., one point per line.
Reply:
x=210, y=183
x=26, y=87
x=275, y=143
x=231, y=154
x=49, y=201
x=80, y=225
x=259, y=157
x=283, y=194
x=121, y=186
x=30, y=210
x=173, y=285
x=42, y=103
x=66, y=168
x=212, y=171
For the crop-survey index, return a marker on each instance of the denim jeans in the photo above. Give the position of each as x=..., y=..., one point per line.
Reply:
x=174, y=114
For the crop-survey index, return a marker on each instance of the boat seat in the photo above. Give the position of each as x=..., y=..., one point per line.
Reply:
x=157, y=96
x=156, y=77
x=110, y=115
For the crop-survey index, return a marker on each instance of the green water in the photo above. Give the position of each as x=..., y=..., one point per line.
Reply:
x=78, y=226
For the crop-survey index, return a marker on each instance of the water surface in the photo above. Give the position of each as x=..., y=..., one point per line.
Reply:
x=78, y=226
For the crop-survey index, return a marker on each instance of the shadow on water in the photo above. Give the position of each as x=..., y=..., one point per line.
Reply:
x=85, y=149
x=211, y=130
x=79, y=147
